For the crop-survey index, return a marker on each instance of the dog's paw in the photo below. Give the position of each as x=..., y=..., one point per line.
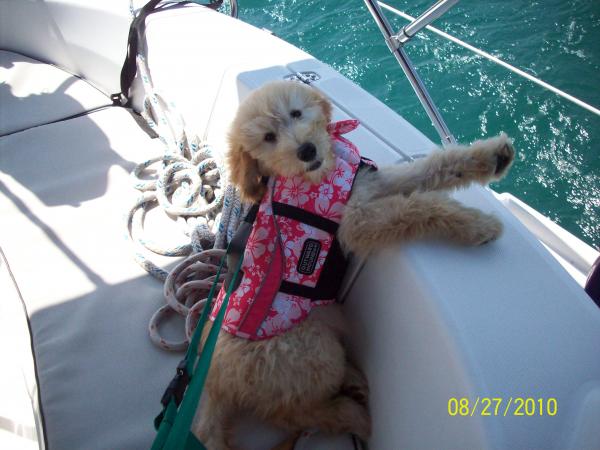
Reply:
x=497, y=154
x=356, y=386
x=357, y=392
x=485, y=160
x=355, y=418
x=480, y=229
x=486, y=229
x=504, y=153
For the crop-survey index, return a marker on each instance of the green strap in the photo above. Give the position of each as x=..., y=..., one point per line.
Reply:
x=178, y=435
x=193, y=443
x=164, y=429
x=165, y=420
x=192, y=351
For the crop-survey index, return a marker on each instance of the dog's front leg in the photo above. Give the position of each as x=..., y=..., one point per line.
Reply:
x=388, y=220
x=213, y=424
x=453, y=167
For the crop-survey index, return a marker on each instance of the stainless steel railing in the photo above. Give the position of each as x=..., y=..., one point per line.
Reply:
x=435, y=11
x=395, y=43
x=233, y=8
x=497, y=61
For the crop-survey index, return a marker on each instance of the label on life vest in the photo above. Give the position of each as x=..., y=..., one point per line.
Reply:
x=308, y=257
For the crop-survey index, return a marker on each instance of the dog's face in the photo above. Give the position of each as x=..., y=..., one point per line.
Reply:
x=280, y=129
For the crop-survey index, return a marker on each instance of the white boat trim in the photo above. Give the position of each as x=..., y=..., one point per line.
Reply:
x=572, y=253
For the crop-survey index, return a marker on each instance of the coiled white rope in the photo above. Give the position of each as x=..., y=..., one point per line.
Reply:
x=186, y=289
x=190, y=184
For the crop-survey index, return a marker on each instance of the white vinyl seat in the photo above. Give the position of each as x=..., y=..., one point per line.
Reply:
x=88, y=303
x=33, y=93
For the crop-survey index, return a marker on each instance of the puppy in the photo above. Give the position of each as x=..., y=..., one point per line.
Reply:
x=302, y=379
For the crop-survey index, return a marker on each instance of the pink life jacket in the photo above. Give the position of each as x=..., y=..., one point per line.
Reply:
x=292, y=260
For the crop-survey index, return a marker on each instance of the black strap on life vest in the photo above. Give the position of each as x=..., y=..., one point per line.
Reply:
x=330, y=280
x=301, y=215
x=335, y=265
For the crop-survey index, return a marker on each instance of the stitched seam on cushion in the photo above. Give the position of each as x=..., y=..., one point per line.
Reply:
x=65, y=119
x=59, y=68
x=35, y=368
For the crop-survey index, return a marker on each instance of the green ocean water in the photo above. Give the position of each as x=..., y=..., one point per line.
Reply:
x=557, y=170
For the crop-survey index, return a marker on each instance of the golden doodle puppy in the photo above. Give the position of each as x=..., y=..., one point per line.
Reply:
x=301, y=378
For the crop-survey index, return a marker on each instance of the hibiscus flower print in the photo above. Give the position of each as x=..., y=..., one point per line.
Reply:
x=329, y=210
x=217, y=305
x=306, y=231
x=341, y=174
x=295, y=191
x=254, y=271
x=288, y=311
x=326, y=191
x=246, y=287
x=346, y=150
x=340, y=150
x=293, y=276
x=256, y=245
x=265, y=215
x=285, y=226
x=311, y=280
x=286, y=308
x=232, y=316
x=292, y=249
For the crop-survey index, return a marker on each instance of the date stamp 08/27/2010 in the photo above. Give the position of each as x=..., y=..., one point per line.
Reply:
x=500, y=406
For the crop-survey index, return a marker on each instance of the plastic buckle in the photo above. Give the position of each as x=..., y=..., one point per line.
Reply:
x=118, y=99
x=177, y=386
x=158, y=420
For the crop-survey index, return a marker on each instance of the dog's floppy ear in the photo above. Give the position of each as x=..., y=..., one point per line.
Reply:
x=325, y=106
x=244, y=173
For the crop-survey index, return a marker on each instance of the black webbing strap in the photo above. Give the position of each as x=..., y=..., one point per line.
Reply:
x=334, y=266
x=330, y=280
x=238, y=242
x=129, y=66
x=252, y=212
x=136, y=31
x=301, y=215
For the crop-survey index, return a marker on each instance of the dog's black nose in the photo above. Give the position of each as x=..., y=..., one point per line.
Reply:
x=307, y=152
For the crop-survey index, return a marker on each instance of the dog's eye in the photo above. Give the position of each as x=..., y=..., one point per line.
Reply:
x=296, y=113
x=270, y=137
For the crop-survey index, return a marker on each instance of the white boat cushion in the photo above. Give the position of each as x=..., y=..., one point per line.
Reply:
x=33, y=93
x=100, y=378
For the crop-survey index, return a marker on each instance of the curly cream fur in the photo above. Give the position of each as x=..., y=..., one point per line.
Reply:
x=302, y=379
x=296, y=381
